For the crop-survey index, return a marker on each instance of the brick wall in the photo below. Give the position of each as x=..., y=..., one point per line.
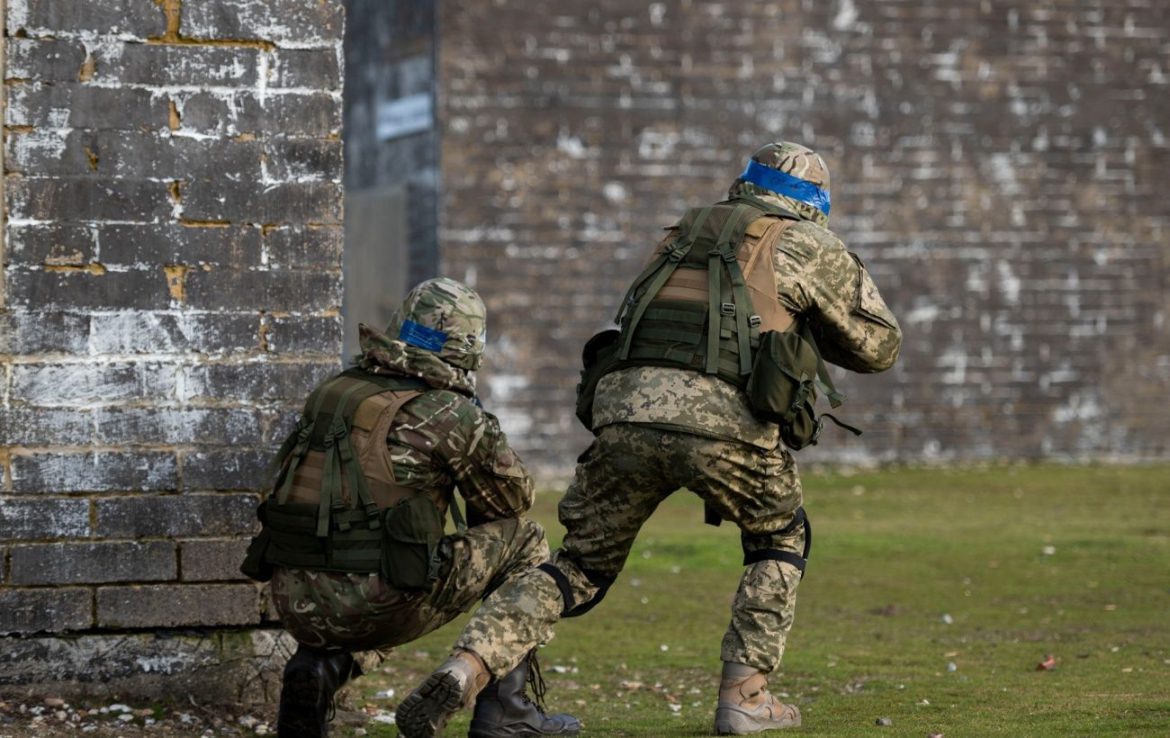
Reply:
x=171, y=290
x=1001, y=167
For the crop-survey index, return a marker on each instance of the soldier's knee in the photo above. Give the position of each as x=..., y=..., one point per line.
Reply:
x=571, y=608
x=535, y=545
x=773, y=546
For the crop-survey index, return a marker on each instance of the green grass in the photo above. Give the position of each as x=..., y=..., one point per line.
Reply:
x=1025, y=561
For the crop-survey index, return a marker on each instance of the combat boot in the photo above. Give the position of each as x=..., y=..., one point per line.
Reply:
x=746, y=706
x=311, y=678
x=426, y=710
x=503, y=709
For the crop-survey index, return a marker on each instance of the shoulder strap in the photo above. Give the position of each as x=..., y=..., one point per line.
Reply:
x=718, y=304
x=657, y=273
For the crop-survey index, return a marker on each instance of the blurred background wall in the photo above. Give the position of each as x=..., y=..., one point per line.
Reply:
x=999, y=166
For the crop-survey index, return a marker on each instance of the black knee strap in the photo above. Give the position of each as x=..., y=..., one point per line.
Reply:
x=571, y=609
x=563, y=585
x=775, y=554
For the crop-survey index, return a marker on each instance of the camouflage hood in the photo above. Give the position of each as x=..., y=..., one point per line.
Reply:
x=384, y=355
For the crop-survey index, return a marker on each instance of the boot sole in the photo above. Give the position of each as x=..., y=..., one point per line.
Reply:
x=736, y=722
x=426, y=711
x=520, y=734
x=298, y=707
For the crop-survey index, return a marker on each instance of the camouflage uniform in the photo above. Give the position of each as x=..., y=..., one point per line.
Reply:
x=659, y=429
x=439, y=440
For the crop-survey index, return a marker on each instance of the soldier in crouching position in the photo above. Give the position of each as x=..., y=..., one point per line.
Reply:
x=707, y=385
x=353, y=532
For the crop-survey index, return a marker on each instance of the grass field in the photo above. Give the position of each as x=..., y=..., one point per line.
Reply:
x=930, y=599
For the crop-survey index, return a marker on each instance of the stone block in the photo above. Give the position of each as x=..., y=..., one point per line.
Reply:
x=304, y=159
x=44, y=60
x=79, y=383
x=272, y=290
x=177, y=65
x=269, y=382
x=29, y=332
x=170, y=516
x=240, y=667
x=275, y=204
x=24, y=611
x=52, y=243
x=236, y=113
x=301, y=334
x=107, y=154
x=89, y=287
x=43, y=518
x=33, y=425
x=168, y=606
x=76, y=105
x=138, y=19
x=212, y=426
x=315, y=69
x=222, y=469
x=104, y=471
x=284, y=22
x=301, y=246
x=67, y=200
x=167, y=244
x=204, y=560
x=139, y=332
x=93, y=563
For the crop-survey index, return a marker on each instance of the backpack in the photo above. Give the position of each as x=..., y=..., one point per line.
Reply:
x=335, y=505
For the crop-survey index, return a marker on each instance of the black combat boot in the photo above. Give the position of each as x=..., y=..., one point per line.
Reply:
x=311, y=678
x=503, y=709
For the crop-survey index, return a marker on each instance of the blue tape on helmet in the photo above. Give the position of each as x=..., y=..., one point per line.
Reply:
x=785, y=184
x=421, y=336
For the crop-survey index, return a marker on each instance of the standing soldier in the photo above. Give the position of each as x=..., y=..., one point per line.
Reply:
x=715, y=365
x=353, y=532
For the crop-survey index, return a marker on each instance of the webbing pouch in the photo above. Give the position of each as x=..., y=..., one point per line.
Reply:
x=255, y=566
x=782, y=387
x=598, y=358
x=410, y=543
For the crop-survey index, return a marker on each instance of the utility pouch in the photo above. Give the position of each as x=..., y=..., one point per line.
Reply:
x=410, y=543
x=598, y=358
x=782, y=387
x=255, y=565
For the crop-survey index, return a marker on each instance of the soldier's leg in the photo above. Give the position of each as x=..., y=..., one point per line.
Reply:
x=619, y=482
x=759, y=491
x=477, y=563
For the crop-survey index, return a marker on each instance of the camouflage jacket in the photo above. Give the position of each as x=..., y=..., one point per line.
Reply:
x=818, y=280
x=443, y=439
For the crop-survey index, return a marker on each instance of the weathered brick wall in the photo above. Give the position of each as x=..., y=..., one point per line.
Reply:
x=172, y=286
x=1000, y=166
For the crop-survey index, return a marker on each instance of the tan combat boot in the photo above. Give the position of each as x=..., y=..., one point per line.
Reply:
x=746, y=706
x=426, y=710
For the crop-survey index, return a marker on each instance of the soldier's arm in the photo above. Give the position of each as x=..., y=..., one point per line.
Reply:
x=819, y=280
x=489, y=474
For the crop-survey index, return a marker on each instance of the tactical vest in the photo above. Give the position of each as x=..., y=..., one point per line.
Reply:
x=708, y=294
x=335, y=505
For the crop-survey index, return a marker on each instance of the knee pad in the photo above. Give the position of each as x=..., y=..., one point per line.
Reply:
x=800, y=561
x=571, y=609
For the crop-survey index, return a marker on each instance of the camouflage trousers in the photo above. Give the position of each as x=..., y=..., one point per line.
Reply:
x=620, y=480
x=359, y=612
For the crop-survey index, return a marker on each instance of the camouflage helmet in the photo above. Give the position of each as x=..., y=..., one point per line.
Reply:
x=794, y=175
x=446, y=317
